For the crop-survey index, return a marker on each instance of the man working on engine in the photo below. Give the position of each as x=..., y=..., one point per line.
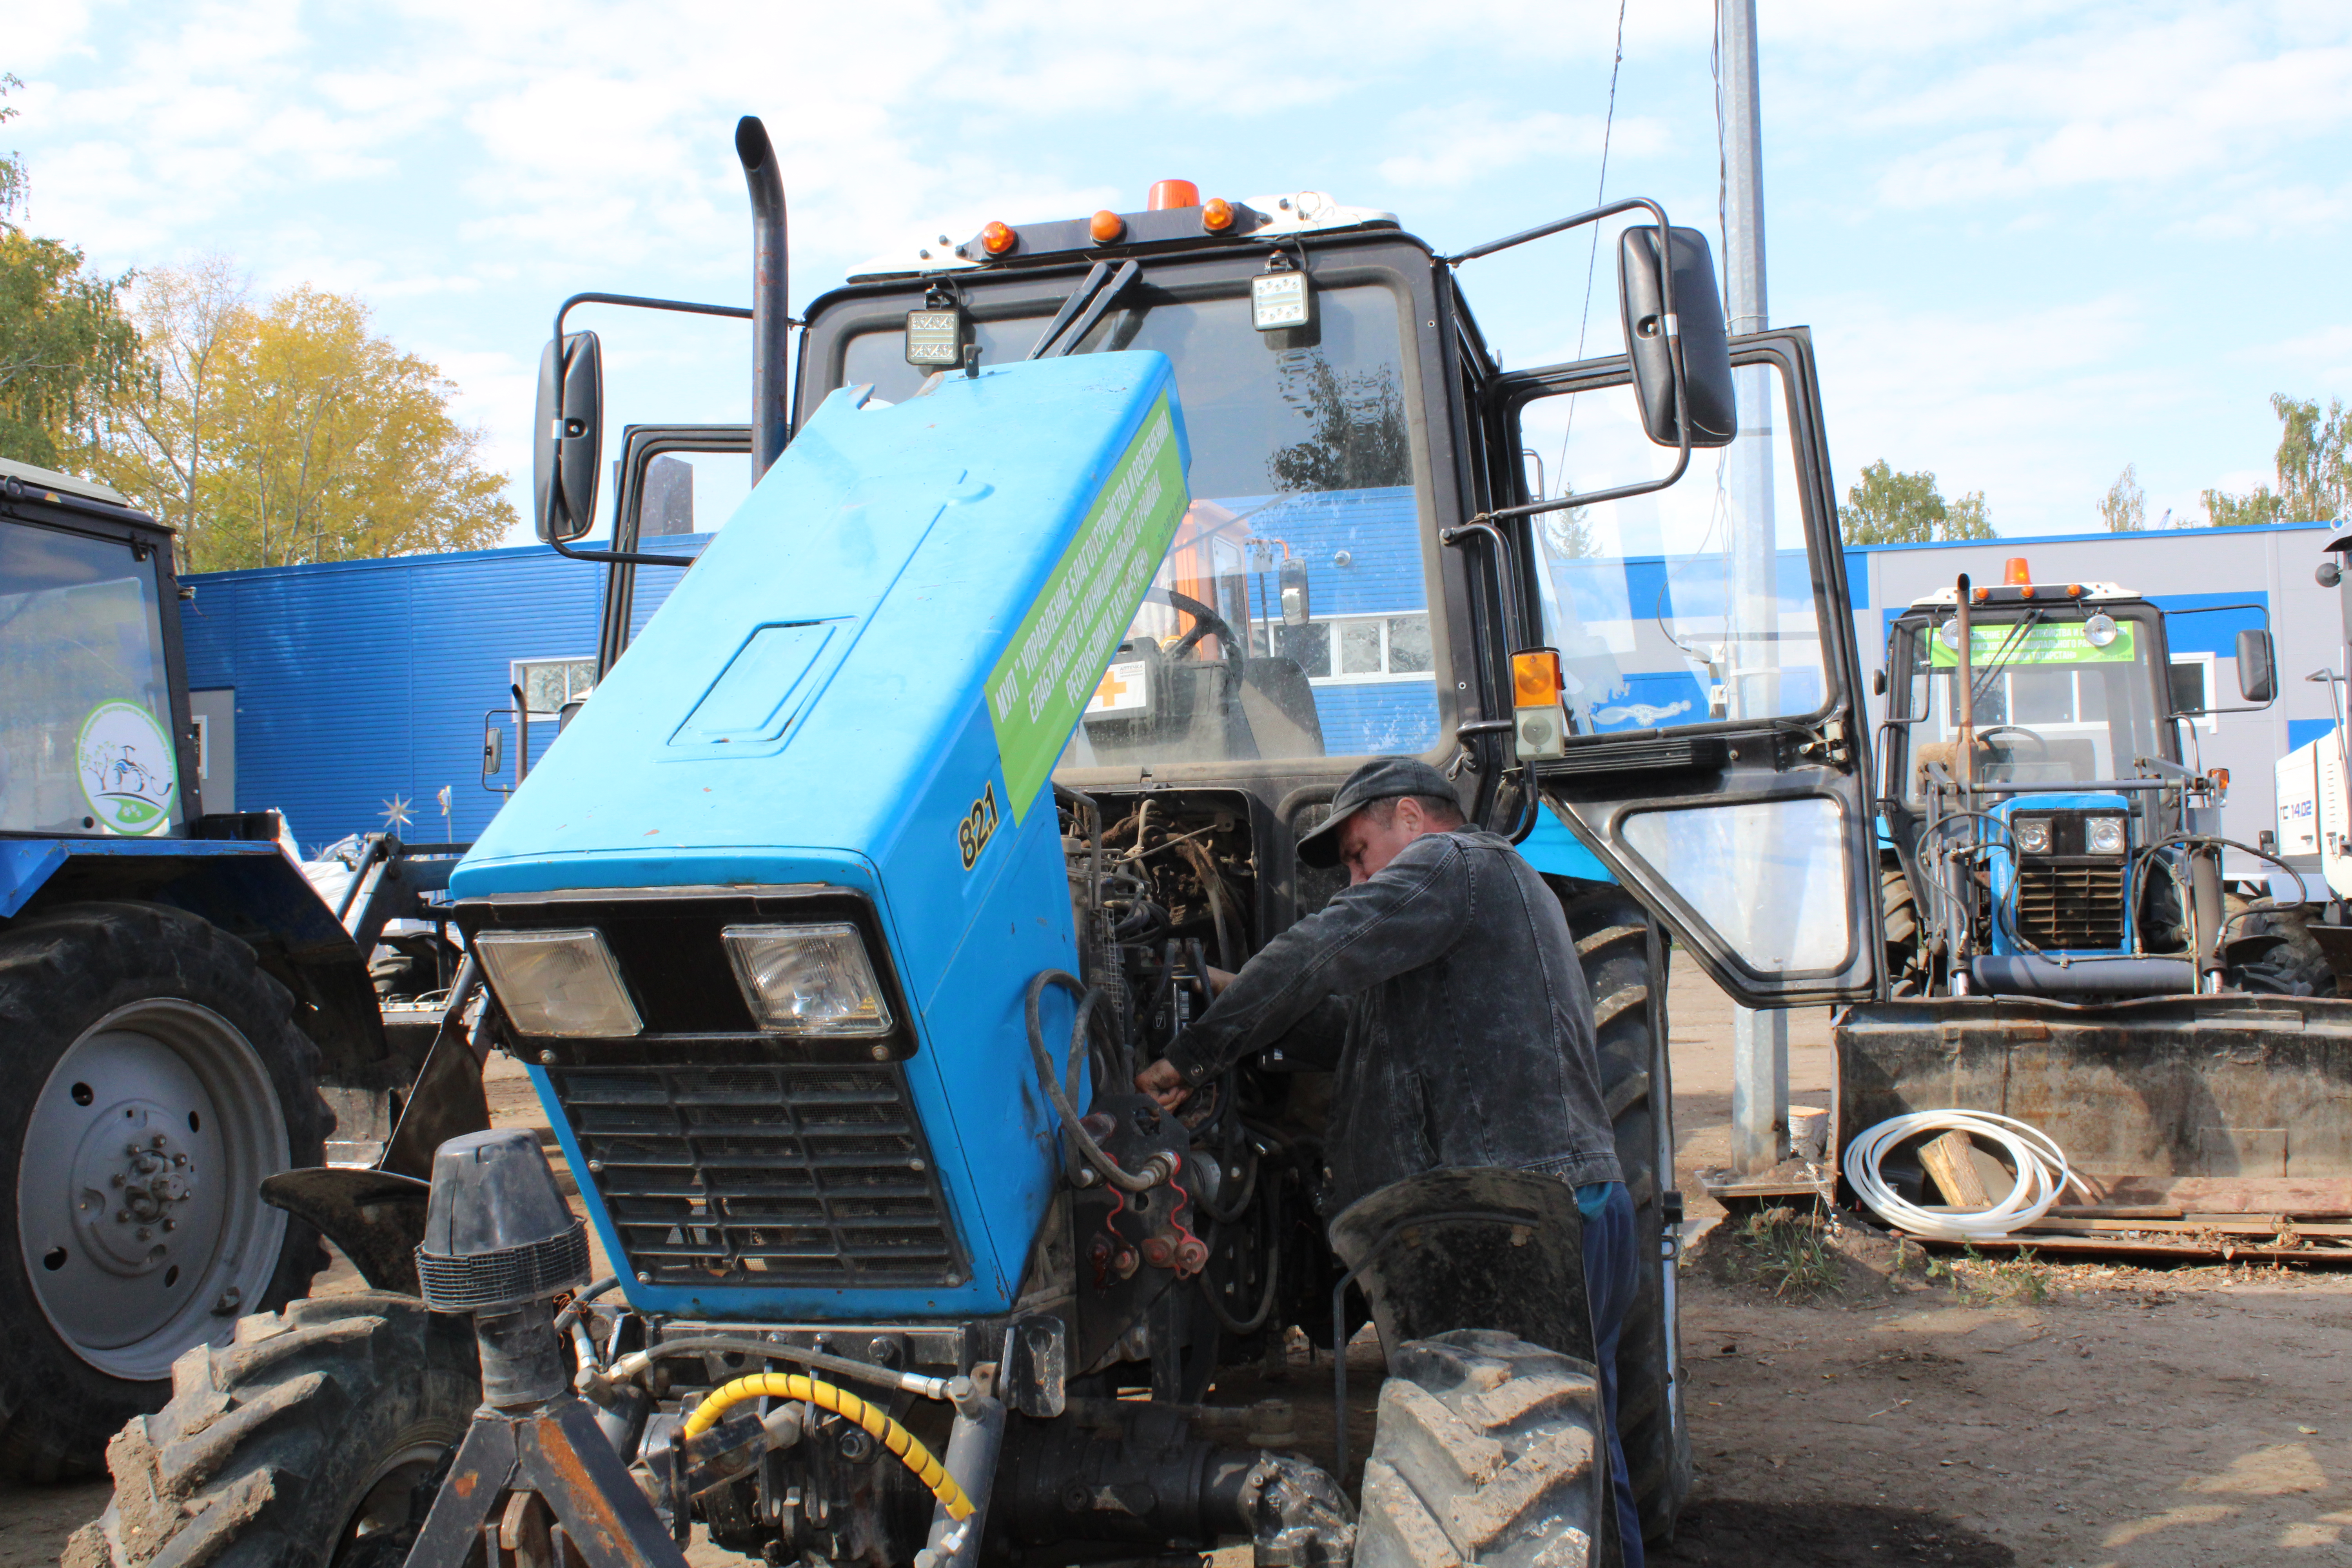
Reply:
x=1414, y=979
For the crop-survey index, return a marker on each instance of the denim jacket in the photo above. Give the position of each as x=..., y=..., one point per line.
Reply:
x=1446, y=990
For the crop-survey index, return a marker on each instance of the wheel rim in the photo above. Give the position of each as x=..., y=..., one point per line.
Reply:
x=391, y=1506
x=137, y=1202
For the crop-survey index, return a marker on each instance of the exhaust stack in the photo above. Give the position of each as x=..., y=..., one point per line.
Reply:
x=771, y=319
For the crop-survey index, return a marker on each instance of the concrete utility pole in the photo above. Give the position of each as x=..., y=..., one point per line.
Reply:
x=1759, y=1041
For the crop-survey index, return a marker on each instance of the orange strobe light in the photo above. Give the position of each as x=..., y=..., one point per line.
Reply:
x=2013, y=572
x=1217, y=214
x=1107, y=227
x=1167, y=194
x=1535, y=677
x=998, y=238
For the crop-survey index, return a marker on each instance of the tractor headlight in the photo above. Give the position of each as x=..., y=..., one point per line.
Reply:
x=2104, y=835
x=2032, y=834
x=560, y=982
x=808, y=979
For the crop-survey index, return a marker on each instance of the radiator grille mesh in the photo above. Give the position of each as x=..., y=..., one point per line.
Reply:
x=763, y=1175
x=2072, y=907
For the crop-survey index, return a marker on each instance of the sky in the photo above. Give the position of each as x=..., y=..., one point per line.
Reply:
x=2035, y=243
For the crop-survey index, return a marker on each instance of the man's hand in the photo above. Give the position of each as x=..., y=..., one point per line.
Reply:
x=1218, y=979
x=1163, y=1083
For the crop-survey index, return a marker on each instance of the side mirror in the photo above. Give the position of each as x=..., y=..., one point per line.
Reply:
x=1292, y=579
x=569, y=437
x=1707, y=352
x=494, y=754
x=2257, y=669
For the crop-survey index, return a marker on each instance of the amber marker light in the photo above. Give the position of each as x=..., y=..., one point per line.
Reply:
x=1535, y=677
x=1217, y=214
x=998, y=238
x=1107, y=227
x=1980, y=595
x=1167, y=193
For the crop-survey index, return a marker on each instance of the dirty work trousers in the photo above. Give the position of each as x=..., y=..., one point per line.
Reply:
x=1612, y=1275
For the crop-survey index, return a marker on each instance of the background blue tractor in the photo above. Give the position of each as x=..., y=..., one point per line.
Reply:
x=833, y=927
x=180, y=1015
x=2063, y=944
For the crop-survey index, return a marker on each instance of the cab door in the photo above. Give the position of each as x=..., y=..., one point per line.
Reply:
x=1715, y=755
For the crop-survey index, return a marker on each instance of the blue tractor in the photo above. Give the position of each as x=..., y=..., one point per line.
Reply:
x=182, y=1017
x=2063, y=946
x=1084, y=559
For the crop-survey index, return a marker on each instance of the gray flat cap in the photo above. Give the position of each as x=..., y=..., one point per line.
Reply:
x=1382, y=778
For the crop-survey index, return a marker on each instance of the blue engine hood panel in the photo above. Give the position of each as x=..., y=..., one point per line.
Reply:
x=864, y=682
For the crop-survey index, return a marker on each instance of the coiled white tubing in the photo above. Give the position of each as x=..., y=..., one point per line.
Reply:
x=2042, y=1175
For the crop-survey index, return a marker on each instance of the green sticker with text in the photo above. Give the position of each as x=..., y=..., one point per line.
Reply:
x=2060, y=643
x=1056, y=658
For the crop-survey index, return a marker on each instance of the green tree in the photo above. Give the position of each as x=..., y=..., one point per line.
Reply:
x=2312, y=466
x=292, y=432
x=2124, y=509
x=1358, y=419
x=66, y=346
x=1890, y=507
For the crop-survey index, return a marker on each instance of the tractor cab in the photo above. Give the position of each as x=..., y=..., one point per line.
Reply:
x=90, y=711
x=1395, y=545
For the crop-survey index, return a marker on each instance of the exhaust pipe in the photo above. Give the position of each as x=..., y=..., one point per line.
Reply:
x=770, y=320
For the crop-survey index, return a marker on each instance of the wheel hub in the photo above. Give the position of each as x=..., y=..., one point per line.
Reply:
x=137, y=1213
x=134, y=1183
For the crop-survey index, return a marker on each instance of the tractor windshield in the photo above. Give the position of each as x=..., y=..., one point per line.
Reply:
x=85, y=710
x=1306, y=496
x=2053, y=704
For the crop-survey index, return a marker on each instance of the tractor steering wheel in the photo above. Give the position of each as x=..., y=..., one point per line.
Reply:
x=1204, y=621
x=2040, y=746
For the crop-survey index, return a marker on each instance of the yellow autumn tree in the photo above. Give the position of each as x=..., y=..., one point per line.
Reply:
x=289, y=432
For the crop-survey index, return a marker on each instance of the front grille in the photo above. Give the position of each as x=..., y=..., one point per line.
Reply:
x=2071, y=906
x=763, y=1175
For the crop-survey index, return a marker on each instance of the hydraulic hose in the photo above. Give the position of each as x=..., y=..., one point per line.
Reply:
x=901, y=1443
x=2042, y=1174
x=1103, y=1165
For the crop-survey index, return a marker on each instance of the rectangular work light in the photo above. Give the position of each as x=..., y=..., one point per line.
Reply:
x=559, y=982
x=808, y=979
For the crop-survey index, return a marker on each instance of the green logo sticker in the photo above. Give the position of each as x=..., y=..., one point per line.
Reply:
x=1056, y=660
x=128, y=776
x=2063, y=643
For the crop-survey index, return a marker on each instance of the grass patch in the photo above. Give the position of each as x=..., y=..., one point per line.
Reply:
x=2020, y=1278
x=1789, y=1254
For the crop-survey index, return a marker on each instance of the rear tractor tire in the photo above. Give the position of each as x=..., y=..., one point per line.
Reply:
x=1490, y=1451
x=1612, y=940
x=317, y=1440
x=154, y=1078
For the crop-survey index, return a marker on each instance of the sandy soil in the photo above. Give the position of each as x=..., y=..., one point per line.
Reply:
x=2047, y=1415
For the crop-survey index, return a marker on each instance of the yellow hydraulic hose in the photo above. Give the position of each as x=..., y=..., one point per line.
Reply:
x=900, y=1442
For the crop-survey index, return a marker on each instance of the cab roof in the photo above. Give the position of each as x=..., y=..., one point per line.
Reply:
x=1256, y=220
x=1991, y=594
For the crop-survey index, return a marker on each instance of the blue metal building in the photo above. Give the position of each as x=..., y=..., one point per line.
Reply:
x=334, y=692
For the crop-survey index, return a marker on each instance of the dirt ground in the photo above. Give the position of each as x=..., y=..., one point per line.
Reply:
x=2042, y=1415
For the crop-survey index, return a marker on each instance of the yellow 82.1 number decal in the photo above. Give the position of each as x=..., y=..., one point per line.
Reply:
x=978, y=826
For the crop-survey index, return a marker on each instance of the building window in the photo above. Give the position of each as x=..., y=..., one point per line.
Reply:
x=2192, y=688
x=1360, y=648
x=548, y=683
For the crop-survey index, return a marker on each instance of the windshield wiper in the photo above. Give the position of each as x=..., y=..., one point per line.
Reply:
x=1084, y=308
x=2008, y=644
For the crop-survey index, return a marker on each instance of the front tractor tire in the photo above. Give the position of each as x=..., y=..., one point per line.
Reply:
x=154, y=1078
x=316, y=1440
x=1489, y=1452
